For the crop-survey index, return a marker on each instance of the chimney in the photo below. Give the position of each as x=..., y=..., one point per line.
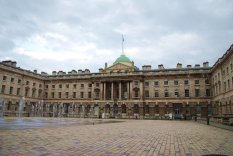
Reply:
x=35, y=71
x=80, y=71
x=146, y=67
x=197, y=65
x=206, y=64
x=189, y=66
x=160, y=66
x=74, y=71
x=44, y=73
x=54, y=73
x=87, y=71
x=100, y=70
x=179, y=65
x=13, y=63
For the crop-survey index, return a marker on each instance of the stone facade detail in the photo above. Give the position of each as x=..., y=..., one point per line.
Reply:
x=122, y=91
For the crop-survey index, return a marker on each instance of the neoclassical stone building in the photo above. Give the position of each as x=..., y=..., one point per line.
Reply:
x=121, y=91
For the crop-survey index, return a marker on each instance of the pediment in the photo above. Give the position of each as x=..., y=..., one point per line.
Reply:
x=119, y=66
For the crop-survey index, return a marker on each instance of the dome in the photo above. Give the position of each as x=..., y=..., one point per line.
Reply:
x=122, y=58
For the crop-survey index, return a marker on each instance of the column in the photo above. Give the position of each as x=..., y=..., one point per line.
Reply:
x=119, y=90
x=112, y=98
x=128, y=90
x=141, y=89
x=92, y=91
x=104, y=84
x=131, y=89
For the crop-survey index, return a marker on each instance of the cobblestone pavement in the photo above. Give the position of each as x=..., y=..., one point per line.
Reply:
x=132, y=137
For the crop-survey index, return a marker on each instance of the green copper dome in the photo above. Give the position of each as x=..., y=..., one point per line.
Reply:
x=122, y=58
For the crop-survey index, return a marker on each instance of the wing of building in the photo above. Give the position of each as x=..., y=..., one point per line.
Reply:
x=121, y=91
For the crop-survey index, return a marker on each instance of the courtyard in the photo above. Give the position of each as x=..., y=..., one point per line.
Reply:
x=75, y=136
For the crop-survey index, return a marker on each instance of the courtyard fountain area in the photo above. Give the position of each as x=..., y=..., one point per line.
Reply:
x=20, y=123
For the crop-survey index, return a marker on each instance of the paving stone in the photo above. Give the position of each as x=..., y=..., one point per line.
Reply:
x=132, y=137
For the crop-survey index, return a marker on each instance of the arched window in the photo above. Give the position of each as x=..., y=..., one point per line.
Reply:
x=136, y=109
x=147, y=109
x=123, y=108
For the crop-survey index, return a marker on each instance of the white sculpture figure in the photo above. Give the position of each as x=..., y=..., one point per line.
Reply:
x=1, y=107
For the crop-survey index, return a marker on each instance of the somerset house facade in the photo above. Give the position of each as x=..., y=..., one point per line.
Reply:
x=121, y=90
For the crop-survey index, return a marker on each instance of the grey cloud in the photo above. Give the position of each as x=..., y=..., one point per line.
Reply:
x=144, y=24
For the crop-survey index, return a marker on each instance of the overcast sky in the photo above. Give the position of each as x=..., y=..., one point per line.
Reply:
x=63, y=35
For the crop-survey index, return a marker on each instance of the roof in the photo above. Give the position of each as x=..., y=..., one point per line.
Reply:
x=122, y=58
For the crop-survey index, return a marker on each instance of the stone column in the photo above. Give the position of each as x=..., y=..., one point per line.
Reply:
x=92, y=91
x=112, y=98
x=119, y=90
x=104, y=84
x=128, y=90
x=141, y=89
x=131, y=89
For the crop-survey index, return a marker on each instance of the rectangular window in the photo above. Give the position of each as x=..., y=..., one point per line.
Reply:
x=12, y=80
x=186, y=92
x=176, y=82
x=39, y=93
x=207, y=92
x=156, y=109
x=197, y=92
x=135, y=83
x=26, y=92
x=156, y=93
x=53, y=95
x=27, y=82
x=166, y=94
x=196, y=82
x=147, y=84
x=60, y=85
x=67, y=95
x=82, y=85
x=156, y=83
x=165, y=83
x=176, y=93
x=19, y=81
x=81, y=95
x=225, y=86
x=59, y=94
x=89, y=95
x=34, y=84
x=40, y=85
x=89, y=85
x=4, y=78
x=223, y=73
x=3, y=89
x=147, y=94
x=67, y=85
x=18, y=91
x=228, y=84
x=227, y=71
x=53, y=86
x=46, y=95
x=207, y=81
x=97, y=84
x=74, y=94
x=46, y=86
x=74, y=86
x=186, y=82
x=97, y=94
x=136, y=93
x=11, y=90
x=33, y=92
